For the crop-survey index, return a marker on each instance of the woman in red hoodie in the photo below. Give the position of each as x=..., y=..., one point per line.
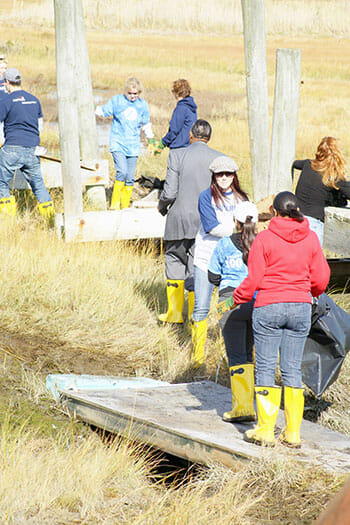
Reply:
x=286, y=267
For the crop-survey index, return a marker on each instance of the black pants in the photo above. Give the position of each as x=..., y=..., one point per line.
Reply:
x=237, y=331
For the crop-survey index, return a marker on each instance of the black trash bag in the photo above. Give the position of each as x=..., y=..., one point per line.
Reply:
x=152, y=183
x=326, y=346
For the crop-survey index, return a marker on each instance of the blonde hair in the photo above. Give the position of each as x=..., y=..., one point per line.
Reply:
x=329, y=162
x=133, y=83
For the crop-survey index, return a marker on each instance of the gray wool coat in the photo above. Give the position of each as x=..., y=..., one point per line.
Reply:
x=187, y=176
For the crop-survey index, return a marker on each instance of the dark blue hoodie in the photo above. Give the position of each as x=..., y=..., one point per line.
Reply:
x=181, y=122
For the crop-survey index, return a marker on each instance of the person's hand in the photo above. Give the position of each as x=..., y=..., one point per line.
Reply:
x=224, y=306
x=163, y=207
x=159, y=148
x=151, y=146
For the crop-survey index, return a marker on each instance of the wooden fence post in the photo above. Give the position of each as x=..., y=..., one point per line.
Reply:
x=285, y=119
x=257, y=98
x=87, y=121
x=67, y=105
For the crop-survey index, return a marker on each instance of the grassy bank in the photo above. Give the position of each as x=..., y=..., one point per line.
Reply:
x=93, y=308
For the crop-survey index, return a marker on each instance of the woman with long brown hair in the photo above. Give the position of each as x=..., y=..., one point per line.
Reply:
x=322, y=183
x=227, y=269
x=216, y=207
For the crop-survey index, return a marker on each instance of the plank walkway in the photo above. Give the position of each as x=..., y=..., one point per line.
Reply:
x=185, y=420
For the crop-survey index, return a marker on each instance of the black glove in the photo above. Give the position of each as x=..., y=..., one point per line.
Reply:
x=164, y=205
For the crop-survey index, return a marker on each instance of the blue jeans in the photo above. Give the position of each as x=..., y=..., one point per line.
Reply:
x=124, y=167
x=203, y=290
x=13, y=158
x=316, y=226
x=283, y=327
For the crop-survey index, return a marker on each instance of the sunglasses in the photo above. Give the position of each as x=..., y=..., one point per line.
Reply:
x=131, y=93
x=224, y=174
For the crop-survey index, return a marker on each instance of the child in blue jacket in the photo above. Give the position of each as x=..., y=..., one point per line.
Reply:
x=227, y=269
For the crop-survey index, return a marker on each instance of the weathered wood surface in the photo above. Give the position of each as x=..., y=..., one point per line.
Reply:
x=67, y=91
x=185, y=420
x=336, y=237
x=52, y=175
x=130, y=223
x=285, y=119
x=257, y=95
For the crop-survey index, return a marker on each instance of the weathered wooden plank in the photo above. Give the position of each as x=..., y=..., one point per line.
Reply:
x=52, y=175
x=336, y=237
x=186, y=420
x=130, y=223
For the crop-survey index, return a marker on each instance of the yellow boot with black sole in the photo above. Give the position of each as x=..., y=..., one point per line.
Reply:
x=125, y=196
x=242, y=388
x=199, y=336
x=116, y=195
x=268, y=401
x=293, y=412
x=8, y=206
x=175, y=291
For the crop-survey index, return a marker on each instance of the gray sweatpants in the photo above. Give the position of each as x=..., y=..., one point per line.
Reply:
x=179, y=261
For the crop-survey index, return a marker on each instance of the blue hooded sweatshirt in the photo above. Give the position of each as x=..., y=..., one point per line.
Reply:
x=181, y=122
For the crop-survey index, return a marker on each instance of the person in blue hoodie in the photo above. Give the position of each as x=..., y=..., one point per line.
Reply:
x=227, y=269
x=182, y=119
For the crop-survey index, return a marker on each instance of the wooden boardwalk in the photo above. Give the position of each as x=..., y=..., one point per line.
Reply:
x=185, y=420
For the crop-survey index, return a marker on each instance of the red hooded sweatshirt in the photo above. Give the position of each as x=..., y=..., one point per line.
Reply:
x=285, y=265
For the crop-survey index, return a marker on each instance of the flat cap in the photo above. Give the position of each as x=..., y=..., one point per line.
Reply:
x=223, y=163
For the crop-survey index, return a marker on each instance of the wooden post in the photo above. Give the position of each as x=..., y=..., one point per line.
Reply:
x=285, y=119
x=67, y=105
x=256, y=79
x=87, y=122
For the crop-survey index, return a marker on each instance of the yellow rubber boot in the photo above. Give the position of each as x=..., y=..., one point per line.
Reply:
x=125, y=196
x=293, y=412
x=199, y=336
x=117, y=188
x=8, y=205
x=175, y=291
x=242, y=388
x=46, y=209
x=268, y=400
x=190, y=303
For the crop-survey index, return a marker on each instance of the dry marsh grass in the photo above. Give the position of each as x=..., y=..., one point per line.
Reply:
x=316, y=17
x=92, y=308
x=70, y=478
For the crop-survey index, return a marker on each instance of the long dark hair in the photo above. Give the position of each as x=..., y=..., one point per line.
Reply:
x=247, y=232
x=286, y=204
x=218, y=194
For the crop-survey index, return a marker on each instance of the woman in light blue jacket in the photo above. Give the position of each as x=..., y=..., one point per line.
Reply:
x=130, y=113
x=227, y=269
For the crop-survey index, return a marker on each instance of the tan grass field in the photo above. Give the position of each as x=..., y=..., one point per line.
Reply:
x=93, y=308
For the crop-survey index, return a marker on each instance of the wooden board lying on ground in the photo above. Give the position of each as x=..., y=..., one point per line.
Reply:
x=185, y=420
x=130, y=223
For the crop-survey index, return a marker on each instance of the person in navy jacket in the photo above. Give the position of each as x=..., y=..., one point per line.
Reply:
x=22, y=117
x=183, y=117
